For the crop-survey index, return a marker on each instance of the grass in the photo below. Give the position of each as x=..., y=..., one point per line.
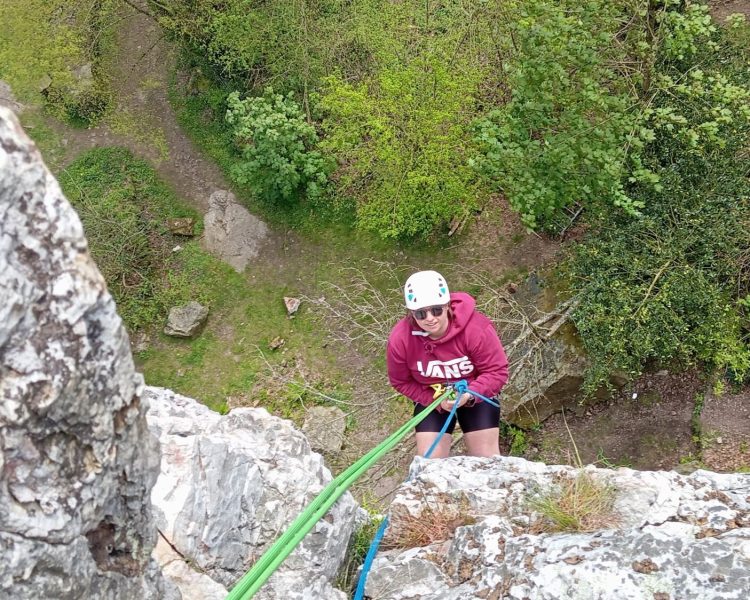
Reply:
x=581, y=503
x=578, y=503
x=124, y=207
x=47, y=40
x=435, y=523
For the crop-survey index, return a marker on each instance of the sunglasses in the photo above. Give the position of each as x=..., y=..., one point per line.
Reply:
x=421, y=314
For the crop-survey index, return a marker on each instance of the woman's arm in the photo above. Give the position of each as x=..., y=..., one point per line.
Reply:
x=490, y=361
x=400, y=376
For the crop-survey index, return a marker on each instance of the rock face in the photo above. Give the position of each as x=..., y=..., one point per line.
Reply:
x=534, y=395
x=77, y=460
x=231, y=232
x=677, y=537
x=230, y=485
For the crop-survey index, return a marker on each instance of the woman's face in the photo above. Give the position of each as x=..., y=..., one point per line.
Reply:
x=432, y=319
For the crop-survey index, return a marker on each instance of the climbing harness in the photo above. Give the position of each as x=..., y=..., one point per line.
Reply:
x=453, y=391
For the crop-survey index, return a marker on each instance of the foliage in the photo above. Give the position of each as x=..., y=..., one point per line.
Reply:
x=401, y=147
x=287, y=44
x=358, y=547
x=562, y=137
x=666, y=287
x=124, y=208
x=519, y=442
x=46, y=45
x=278, y=147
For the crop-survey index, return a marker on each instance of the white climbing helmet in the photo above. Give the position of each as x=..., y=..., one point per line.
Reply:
x=426, y=288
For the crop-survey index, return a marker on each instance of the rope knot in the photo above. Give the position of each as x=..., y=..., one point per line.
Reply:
x=461, y=387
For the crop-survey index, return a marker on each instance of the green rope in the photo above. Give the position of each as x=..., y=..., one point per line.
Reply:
x=252, y=581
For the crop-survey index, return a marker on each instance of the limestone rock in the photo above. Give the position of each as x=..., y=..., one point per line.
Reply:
x=185, y=321
x=535, y=394
x=193, y=584
x=674, y=536
x=231, y=232
x=77, y=458
x=292, y=305
x=324, y=427
x=230, y=485
x=545, y=376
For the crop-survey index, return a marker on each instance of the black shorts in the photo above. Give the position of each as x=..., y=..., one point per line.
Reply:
x=482, y=415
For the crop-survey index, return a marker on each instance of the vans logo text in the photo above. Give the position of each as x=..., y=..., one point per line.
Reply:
x=455, y=368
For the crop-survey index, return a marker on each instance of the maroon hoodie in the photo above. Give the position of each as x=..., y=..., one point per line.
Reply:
x=470, y=350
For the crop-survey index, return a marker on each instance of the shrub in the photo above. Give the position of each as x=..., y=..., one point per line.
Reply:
x=278, y=148
x=562, y=137
x=666, y=287
x=401, y=147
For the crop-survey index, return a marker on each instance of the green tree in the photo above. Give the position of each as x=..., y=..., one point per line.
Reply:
x=401, y=144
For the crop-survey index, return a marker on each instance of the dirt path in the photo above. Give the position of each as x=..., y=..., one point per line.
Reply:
x=143, y=119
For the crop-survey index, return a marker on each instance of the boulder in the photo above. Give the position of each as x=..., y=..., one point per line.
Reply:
x=230, y=485
x=533, y=394
x=324, y=427
x=77, y=460
x=548, y=364
x=186, y=321
x=671, y=536
x=231, y=232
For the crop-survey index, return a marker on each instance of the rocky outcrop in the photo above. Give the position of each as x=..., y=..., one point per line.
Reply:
x=554, y=383
x=77, y=460
x=670, y=536
x=230, y=485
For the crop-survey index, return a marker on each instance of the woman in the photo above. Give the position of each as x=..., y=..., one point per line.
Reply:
x=443, y=339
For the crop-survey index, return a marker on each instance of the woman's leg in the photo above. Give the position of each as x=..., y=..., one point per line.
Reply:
x=481, y=426
x=425, y=439
x=429, y=429
x=484, y=442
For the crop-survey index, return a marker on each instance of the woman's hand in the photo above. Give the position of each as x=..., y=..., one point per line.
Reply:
x=447, y=405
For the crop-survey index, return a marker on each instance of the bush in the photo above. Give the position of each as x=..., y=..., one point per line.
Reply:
x=562, y=137
x=278, y=148
x=401, y=148
x=668, y=287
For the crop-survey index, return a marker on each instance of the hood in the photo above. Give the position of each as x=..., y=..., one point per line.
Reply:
x=462, y=305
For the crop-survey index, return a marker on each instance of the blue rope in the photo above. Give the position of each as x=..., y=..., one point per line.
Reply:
x=462, y=387
x=373, y=550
